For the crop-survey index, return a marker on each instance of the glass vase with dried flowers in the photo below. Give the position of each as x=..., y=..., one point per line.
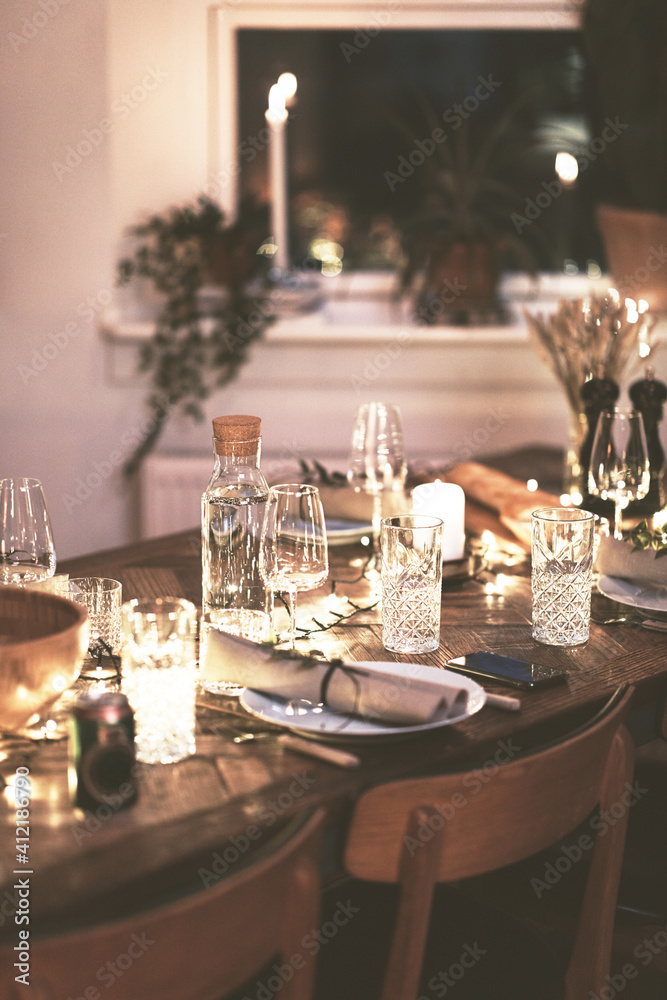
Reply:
x=584, y=339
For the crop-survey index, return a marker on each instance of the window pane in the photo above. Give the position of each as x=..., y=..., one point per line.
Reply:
x=376, y=119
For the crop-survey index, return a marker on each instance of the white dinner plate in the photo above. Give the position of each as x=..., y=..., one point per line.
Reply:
x=323, y=723
x=648, y=597
x=342, y=532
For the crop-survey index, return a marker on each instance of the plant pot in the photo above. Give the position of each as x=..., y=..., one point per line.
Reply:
x=461, y=285
x=636, y=246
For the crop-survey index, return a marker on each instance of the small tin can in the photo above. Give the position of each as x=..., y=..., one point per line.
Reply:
x=102, y=769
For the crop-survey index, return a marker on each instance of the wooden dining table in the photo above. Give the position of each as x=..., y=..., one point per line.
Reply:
x=195, y=820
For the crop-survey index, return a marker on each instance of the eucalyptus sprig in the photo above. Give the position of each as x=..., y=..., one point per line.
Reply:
x=200, y=340
x=643, y=537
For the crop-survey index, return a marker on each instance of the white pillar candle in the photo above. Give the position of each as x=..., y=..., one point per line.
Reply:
x=276, y=117
x=446, y=501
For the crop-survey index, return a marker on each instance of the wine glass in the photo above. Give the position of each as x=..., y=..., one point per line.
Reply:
x=294, y=554
x=619, y=468
x=26, y=542
x=377, y=458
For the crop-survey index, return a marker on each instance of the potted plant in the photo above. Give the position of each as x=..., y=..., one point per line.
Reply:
x=464, y=236
x=626, y=43
x=209, y=312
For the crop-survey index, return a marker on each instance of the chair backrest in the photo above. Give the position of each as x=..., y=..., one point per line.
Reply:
x=449, y=827
x=201, y=946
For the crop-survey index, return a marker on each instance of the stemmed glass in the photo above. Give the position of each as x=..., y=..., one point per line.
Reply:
x=377, y=458
x=294, y=555
x=619, y=468
x=26, y=542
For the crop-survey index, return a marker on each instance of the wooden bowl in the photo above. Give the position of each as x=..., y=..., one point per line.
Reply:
x=43, y=639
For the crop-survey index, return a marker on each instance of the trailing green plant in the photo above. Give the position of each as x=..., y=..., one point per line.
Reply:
x=626, y=44
x=208, y=317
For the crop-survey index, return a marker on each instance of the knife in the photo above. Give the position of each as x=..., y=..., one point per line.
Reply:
x=653, y=623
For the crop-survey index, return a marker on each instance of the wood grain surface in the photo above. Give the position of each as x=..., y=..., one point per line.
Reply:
x=221, y=801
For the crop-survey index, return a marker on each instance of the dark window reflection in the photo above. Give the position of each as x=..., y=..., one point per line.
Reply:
x=363, y=109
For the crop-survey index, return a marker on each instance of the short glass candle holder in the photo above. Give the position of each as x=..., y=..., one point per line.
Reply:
x=103, y=599
x=159, y=674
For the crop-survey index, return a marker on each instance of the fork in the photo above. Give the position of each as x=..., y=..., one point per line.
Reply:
x=633, y=618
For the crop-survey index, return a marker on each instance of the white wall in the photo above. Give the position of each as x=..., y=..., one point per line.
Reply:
x=125, y=83
x=71, y=69
x=56, y=251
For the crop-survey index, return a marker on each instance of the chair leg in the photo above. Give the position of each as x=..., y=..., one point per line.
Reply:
x=420, y=862
x=591, y=955
x=303, y=900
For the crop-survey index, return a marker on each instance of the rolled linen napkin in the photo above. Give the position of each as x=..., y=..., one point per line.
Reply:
x=365, y=689
x=509, y=497
x=617, y=558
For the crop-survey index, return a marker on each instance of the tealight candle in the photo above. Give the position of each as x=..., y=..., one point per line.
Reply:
x=446, y=501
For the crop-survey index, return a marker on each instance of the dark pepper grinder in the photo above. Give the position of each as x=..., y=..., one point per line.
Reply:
x=598, y=393
x=648, y=396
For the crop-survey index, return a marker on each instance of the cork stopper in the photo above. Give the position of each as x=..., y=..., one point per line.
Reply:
x=237, y=434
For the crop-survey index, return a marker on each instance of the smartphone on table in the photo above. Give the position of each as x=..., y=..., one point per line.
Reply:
x=507, y=670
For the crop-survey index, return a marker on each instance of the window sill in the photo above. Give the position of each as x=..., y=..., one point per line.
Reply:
x=359, y=307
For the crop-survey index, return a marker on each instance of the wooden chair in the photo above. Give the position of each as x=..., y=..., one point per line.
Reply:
x=200, y=947
x=446, y=828
x=641, y=911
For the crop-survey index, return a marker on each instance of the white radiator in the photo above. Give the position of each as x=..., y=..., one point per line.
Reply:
x=171, y=489
x=172, y=485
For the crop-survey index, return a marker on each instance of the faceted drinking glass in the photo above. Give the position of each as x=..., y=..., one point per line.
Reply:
x=562, y=574
x=411, y=583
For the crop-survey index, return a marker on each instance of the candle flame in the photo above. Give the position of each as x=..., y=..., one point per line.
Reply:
x=567, y=168
x=287, y=83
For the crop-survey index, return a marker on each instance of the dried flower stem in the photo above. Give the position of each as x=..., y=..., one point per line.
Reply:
x=585, y=336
